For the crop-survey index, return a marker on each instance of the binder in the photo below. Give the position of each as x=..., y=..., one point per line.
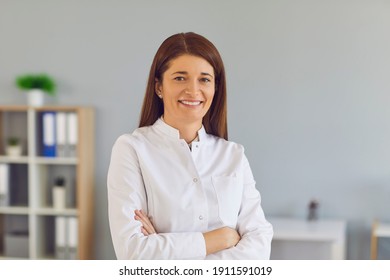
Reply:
x=4, y=184
x=60, y=237
x=72, y=133
x=66, y=238
x=48, y=137
x=72, y=238
x=61, y=134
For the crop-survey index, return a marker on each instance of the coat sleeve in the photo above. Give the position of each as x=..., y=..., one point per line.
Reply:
x=255, y=231
x=126, y=193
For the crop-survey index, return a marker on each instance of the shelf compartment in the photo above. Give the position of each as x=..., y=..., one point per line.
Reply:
x=58, y=237
x=13, y=123
x=18, y=185
x=46, y=180
x=14, y=236
x=56, y=133
x=46, y=237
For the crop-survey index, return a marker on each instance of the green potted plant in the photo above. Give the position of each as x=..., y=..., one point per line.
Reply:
x=36, y=85
x=14, y=147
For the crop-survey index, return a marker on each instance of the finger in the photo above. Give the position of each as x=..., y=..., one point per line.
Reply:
x=146, y=221
x=144, y=231
x=141, y=217
x=148, y=226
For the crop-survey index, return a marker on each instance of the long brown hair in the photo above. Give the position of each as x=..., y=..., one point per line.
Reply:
x=215, y=120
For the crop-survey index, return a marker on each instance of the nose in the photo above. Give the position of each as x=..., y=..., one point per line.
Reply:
x=193, y=87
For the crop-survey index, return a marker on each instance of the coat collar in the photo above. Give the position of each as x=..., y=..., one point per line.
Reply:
x=174, y=133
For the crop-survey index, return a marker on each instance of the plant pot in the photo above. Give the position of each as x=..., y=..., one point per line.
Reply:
x=59, y=197
x=14, y=151
x=35, y=97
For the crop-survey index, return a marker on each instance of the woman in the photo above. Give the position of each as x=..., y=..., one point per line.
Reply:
x=177, y=189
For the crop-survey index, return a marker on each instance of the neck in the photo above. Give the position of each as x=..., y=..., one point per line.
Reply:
x=187, y=130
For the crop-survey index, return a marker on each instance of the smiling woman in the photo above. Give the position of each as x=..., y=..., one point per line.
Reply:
x=193, y=45
x=177, y=189
x=187, y=90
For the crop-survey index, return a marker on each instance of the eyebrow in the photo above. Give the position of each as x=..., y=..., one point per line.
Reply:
x=186, y=73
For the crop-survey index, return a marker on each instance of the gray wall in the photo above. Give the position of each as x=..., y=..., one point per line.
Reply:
x=308, y=85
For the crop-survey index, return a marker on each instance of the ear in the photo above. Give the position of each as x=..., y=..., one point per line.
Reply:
x=157, y=86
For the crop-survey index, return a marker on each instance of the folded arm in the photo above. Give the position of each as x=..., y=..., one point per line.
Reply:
x=216, y=240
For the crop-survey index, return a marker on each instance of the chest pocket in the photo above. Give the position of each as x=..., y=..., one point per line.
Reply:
x=228, y=190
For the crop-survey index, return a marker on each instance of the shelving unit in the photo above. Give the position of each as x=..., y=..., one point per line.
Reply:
x=30, y=212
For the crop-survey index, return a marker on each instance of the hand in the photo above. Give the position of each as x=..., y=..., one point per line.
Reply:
x=220, y=239
x=147, y=226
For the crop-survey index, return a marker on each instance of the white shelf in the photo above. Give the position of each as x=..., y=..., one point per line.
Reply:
x=49, y=211
x=2, y=257
x=56, y=160
x=32, y=177
x=7, y=159
x=39, y=160
x=17, y=210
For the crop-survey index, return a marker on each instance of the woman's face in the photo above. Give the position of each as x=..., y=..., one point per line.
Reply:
x=187, y=90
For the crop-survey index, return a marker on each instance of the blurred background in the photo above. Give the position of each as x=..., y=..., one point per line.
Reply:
x=308, y=91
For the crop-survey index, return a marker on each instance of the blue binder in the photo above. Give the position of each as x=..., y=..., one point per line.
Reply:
x=49, y=134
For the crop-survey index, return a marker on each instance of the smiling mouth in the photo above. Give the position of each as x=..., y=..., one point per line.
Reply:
x=190, y=103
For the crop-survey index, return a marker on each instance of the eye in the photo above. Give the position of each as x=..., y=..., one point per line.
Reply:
x=205, y=80
x=179, y=78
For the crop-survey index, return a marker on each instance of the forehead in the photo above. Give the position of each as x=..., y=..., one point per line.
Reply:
x=191, y=64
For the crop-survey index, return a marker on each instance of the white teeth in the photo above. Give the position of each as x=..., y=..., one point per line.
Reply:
x=194, y=103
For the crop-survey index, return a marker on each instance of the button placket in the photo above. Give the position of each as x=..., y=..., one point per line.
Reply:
x=201, y=216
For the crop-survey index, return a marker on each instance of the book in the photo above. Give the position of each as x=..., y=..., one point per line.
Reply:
x=72, y=133
x=66, y=238
x=60, y=238
x=49, y=134
x=61, y=134
x=4, y=184
x=72, y=238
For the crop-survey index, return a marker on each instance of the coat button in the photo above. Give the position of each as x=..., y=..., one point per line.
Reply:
x=195, y=180
x=200, y=217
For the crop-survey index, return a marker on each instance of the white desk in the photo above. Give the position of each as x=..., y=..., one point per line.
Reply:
x=301, y=239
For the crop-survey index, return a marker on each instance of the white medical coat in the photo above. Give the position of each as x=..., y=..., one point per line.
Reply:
x=185, y=192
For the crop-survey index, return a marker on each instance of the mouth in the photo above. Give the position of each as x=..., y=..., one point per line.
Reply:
x=190, y=103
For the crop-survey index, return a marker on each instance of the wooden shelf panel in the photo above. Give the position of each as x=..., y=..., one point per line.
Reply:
x=14, y=108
